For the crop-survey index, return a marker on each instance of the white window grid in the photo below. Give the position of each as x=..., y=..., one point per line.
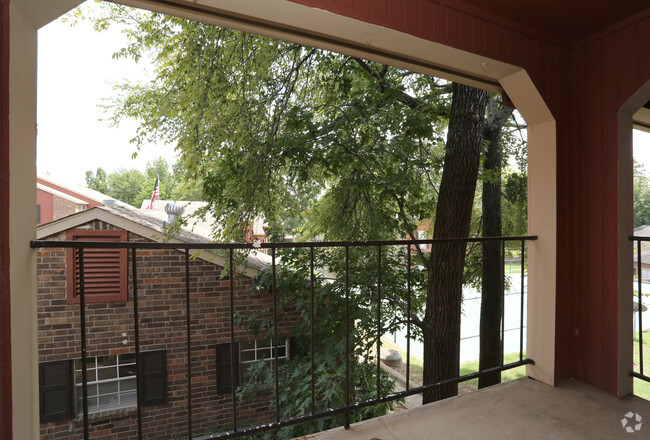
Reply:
x=422, y=235
x=258, y=350
x=111, y=382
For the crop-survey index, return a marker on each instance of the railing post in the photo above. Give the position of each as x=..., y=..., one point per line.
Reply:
x=408, y=316
x=84, y=363
x=189, y=344
x=311, y=327
x=346, y=422
x=640, y=306
x=275, y=338
x=231, y=289
x=521, y=316
x=379, y=322
x=136, y=331
x=503, y=301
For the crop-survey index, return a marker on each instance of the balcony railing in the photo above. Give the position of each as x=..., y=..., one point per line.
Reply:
x=235, y=426
x=639, y=245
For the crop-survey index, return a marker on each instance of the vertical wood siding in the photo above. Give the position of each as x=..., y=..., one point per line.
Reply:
x=610, y=69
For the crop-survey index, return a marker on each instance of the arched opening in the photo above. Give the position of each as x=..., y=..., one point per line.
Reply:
x=287, y=20
x=631, y=116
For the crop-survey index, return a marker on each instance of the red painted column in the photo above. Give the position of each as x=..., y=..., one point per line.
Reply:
x=5, y=309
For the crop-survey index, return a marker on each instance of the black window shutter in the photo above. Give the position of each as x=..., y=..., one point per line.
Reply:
x=153, y=365
x=225, y=366
x=297, y=348
x=55, y=391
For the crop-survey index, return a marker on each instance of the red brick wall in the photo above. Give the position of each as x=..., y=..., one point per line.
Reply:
x=161, y=306
x=62, y=207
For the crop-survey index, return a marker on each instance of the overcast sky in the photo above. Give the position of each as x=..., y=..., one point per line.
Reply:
x=75, y=72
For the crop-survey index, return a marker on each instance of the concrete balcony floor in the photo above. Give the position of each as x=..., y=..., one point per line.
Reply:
x=520, y=409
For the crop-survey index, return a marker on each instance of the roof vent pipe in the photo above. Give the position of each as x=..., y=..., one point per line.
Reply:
x=173, y=210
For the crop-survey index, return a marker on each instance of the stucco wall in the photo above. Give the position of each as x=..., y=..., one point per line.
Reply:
x=5, y=304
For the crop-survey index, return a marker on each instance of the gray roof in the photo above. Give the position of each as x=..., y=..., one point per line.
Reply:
x=83, y=191
x=154, y=220
x=148, y=224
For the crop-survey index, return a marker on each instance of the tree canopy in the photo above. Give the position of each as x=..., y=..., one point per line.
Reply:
x=322, y=144
x=133, y=186
x=356, y=145
x=641, y=196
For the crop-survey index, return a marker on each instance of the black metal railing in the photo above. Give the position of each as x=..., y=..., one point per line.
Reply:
x=227, y=250
x=638, y=248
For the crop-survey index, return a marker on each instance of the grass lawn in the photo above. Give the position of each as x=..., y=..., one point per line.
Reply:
x=513, y=373
x=641, y=387
x=415, y=373
x=512, y=267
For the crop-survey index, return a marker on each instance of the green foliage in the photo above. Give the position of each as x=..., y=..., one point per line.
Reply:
x=641, y=196
x=127, y=185
x=97, y=181
x=319, y=144
x=515, y=204
x=293, y=287
x=292, y=123
x=132, y=186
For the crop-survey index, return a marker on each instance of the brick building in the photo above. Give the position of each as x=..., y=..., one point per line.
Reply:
x=202, y=224
x=56, y=199
x=163, y=323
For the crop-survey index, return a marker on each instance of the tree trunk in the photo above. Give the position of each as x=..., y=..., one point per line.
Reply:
x=491, y=344
x=453, y=216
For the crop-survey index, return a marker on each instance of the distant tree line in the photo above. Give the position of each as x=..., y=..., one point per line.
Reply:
x=132, y=186
x=641, y=196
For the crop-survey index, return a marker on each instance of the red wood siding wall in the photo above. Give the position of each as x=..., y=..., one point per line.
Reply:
x=91, y=203
x=609, y=70
x=584, y=84
x=46, y=200
x=5, y=309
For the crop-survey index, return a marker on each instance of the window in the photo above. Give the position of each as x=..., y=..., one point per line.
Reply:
x=247, y=353
x=253, y=351
x=38, y=214
x=105, y=270
x=111, y=382
x=422, y=235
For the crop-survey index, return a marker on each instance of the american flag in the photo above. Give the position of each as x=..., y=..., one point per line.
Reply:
x=155, y=194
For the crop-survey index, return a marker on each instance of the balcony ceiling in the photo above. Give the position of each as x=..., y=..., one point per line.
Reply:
x=572, y=20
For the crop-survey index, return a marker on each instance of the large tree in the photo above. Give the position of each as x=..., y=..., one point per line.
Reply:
x=492, y=279
x=641, y=196
x=346, y=148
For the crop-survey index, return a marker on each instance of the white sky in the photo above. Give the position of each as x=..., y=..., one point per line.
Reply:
x=75, y=72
